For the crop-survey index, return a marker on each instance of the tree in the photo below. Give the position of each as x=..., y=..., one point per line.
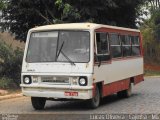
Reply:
x=21, y=15
x=154, y=4
x=10, y=63
x=150, y=30
x=2, y=4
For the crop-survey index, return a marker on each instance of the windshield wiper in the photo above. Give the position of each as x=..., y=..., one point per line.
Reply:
x=72, y=63
x=60, y=51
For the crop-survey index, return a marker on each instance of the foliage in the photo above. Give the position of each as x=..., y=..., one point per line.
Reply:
x=5, y=83
x=10, y=63
x=150, y=31
x=153, y=5
x=21, y=15
x=3, y=4
x=68, y=12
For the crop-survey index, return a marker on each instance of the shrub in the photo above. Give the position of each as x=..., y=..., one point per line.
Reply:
x=6, y=83
x=10, y=63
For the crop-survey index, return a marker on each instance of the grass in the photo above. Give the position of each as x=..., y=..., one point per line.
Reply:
x=151, y=73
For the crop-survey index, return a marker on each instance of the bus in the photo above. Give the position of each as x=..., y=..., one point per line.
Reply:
x=80, y=61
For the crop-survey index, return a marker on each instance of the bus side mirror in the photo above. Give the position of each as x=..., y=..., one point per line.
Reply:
x=99, y=64
x=97, y=59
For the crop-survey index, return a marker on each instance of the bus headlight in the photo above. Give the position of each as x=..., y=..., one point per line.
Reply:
x=83, y=81
x=27, y=79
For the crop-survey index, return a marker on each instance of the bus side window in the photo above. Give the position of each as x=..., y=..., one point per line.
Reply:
x=115, y=43
x=135, y=45
x=102, y=45
x=126, y=45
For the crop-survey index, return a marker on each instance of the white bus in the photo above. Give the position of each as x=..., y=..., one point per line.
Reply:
x=80, y=61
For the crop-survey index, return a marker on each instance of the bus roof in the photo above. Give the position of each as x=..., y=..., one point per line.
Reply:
x=79, y=26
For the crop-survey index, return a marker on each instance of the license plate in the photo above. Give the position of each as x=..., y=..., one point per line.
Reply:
x=71, y=93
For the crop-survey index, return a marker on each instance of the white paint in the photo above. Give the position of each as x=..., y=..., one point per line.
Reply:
x=118, y=70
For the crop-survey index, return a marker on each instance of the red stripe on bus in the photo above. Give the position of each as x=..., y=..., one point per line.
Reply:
x=138, y=79
x=117, y=86
x=114, y=87
x=113, y=30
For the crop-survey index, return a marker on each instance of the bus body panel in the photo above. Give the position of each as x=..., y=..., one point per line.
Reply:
x=124, y=68
x=114, y=75
x=52, y=90
x=57, y=68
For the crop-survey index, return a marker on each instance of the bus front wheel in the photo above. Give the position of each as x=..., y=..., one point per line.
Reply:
x=95, y=101
x=38, y=103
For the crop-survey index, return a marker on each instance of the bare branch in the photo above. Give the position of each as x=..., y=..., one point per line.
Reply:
x=40, y=14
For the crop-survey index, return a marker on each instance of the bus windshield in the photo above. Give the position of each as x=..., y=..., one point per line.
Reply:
x=59, y=46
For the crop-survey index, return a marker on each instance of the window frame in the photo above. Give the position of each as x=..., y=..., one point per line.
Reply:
x=120, y=45
x=107, y=36
x=136, y=45
x=95, y=49
x=52, y=30
x=126, y=45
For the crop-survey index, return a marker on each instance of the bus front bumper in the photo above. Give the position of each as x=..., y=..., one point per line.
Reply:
x=56, y=91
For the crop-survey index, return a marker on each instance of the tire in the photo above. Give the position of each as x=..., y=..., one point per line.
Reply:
x=95, y=101
x=38, y=103
x=125, y=93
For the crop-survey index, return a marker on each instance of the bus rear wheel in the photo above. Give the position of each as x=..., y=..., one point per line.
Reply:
x=95, y=101
x=125, y=93
x=38, y=103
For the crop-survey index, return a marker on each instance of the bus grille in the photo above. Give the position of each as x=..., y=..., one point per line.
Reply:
x=55, y=80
